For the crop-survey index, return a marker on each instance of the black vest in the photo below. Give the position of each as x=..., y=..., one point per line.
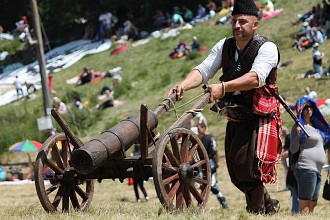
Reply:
x=246, y=58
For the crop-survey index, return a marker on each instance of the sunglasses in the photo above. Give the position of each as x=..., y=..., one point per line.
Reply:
x=308, y=106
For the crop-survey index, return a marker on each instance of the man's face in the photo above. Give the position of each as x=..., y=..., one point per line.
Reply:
x=201, y=130
x=244, y=27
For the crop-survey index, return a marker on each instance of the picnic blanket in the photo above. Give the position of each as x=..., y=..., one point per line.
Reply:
x=274, y=14
x=57, y=59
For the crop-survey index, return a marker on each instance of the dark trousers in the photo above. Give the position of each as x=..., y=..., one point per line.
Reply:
x=240, y=143
x=139, y=182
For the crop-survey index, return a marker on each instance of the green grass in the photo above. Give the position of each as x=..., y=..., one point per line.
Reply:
x=115, y=200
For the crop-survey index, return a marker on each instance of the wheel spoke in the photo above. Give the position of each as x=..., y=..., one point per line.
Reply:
x=195, y=193
x=191, y=152
x=186, y=195
x=52, y=189
x=175, y=148
x=81, y=193
x=170, y=179
x=65, y=200
x=170, y=168
x=53, y=167
x=198, y=163
x=200, y=181
x=204, y=192
x=174, y=189
x=74, y=199
x=180, y=203
x=184, y=147
x=58, y=196
x=171, y=157
x=57, y=156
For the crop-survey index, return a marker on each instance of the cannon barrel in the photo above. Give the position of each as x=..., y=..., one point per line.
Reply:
x=118, y=139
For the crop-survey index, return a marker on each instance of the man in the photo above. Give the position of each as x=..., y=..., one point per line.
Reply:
x=210, y=145
x=317, y=61
x=105, y=24
x=251, y=151
x=18, y=86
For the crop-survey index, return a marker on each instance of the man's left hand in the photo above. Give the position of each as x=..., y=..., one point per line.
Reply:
x=215, y=90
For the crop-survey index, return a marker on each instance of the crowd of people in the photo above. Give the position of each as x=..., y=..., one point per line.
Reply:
x=15, y=173
x=315, y=26
x=21, y=31
x=315, y=29
x=183, y=49
x=127, y=29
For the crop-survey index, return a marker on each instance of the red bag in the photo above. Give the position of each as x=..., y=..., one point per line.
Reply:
x=264, y=103
x=130, y=181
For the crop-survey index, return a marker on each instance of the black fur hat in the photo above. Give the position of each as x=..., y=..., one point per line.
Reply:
x=247, y=7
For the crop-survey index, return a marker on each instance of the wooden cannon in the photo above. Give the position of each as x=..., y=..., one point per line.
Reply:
x=177, y=161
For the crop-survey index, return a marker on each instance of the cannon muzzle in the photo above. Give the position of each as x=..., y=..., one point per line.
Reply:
x=118, y=139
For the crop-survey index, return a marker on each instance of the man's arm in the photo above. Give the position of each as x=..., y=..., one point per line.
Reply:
x=193, y=80
x=246, y=82
x=319, y=57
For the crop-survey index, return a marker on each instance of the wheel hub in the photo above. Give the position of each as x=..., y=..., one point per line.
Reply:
x=69, y=176
x=186, y=171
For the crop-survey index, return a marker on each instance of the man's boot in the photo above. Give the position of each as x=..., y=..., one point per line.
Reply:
x=223, y=202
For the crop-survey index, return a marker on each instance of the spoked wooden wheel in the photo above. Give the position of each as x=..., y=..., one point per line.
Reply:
x=181, y=170
x=53, y=165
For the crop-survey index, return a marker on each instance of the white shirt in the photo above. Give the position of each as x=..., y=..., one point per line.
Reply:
x=266, y=59
x=17, y=84
x=105, y=18
x=270, y=6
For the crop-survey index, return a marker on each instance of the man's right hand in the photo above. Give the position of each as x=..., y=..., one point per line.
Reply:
x=193, y=80
x=178, y=90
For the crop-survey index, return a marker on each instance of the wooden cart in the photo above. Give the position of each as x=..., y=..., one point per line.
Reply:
x=177, y=161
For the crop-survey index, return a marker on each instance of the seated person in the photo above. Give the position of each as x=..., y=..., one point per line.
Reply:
x=180, y=50
x=105, y=88
x=201, y=12
x=188, y=15
x=268, y=7
x=60, y=106
x=131, y=31
x=316, y=35
x=85, y=76
x=15, y=174
x=159, y=19
x=177, y=20
x=107, y=101
x=76, y=101
x=303, y=32
x=306, y=16
x=303, y=37
x=195, y=46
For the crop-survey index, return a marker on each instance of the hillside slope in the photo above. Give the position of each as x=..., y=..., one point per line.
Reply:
x=148, y=73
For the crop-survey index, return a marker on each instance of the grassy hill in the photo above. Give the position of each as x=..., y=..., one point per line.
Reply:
x=148, y=73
